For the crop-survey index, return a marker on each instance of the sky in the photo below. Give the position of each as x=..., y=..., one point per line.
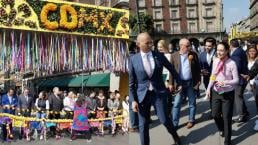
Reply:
x=234, y=11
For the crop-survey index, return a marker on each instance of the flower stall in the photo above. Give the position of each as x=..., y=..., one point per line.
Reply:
x=46, y=37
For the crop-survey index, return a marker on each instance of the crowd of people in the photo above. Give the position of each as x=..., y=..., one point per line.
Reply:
x=81, y=108
x=224, y=67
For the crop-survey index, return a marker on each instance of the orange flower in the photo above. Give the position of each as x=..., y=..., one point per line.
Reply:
x=43, y=16
x=63, y=21
x=190, y=57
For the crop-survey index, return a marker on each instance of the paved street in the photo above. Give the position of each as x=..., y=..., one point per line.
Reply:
x=107, y=140
x=205, y=131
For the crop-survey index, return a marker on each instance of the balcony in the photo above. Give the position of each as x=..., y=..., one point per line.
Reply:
x=157, y=6
x=175, y=18
x=158, y=19
x=209, y=17
x=191, y=4
x=192, y=18
x=209, y=2
x=175, y=31
x=175, y=5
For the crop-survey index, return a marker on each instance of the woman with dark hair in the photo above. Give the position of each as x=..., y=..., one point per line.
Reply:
x=252, y=54
x=42, y=106
x=80, y=120
x=224, y=78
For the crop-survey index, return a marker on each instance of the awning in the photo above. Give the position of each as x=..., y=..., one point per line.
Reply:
x=100, y=80
x=96, y=80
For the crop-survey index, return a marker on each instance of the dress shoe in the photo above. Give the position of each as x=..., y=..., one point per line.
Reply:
x=178, y=142
x=190, y=125
x=240, y=119
x=133, y=129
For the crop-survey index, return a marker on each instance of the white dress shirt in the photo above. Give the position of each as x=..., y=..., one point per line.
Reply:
x=209, y=56
x=145, y=56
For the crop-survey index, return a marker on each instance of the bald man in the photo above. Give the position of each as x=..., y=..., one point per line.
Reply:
x=187, y=66
x=146, y=87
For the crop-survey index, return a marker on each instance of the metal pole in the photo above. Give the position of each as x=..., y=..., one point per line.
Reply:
x=138, y=17
x=82, y=83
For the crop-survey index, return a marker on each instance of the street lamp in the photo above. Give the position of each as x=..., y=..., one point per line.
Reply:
x=138, y=17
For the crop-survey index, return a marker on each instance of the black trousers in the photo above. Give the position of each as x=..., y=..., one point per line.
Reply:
x=54, y=130
x=87, y=134
x=160, y=106
x=241, y=108
x=222, y=112
x=4, y=131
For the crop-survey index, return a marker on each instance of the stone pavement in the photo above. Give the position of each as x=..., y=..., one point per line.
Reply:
x=205, y=131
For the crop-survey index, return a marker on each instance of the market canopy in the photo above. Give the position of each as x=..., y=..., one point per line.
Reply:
x=64, y=17
x=96, y=80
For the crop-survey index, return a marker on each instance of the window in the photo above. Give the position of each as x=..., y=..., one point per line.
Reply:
x=191, y=27
x=191, y=13
x=157, y=15
x=174, y=14
x=190, y=1
x=158, y=27
x=142, y=12
x=157, y=2
x=208, y=12
x=141, y=3
x=173, y=2
x=209, y=26
x=175, y=28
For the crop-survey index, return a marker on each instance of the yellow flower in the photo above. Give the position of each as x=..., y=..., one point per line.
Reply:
x=43, y=16
x=63, y=21
x=190, y=57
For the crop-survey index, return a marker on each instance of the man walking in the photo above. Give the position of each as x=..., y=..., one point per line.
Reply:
x=146, y=87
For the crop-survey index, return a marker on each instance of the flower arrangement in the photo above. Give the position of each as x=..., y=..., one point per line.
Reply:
x=74, y=18
x=18, y=21
x=7, y=2
x=25, y=9
x=12, y=15
x=30, y=24
x=3, y=14
x=43, y=16
x=124, y=22
x=190, y=57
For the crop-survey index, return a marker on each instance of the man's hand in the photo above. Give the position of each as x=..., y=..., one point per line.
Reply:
x=246, y=77
x=205, y=72
x=171, y=88
x=179, y=88
x=135, y=106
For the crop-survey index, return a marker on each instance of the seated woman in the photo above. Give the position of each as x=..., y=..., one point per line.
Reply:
x=42, y=106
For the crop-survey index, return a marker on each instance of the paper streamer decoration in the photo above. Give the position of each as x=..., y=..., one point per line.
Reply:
x=46, y=54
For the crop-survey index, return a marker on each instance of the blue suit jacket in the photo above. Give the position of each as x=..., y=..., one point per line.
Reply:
x=5, y=101
x=240, y=58
x=203, y=62
x=139, y=81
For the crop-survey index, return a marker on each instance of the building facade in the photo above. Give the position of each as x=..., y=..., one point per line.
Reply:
x=123, y=4
x=184, y=18
x=253, y=15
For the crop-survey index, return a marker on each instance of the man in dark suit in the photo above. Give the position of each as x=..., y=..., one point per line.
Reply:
x=187, y=65
x=206, y=59
x=55, y=107
x=25, y=103
x=239, y=56
x=146, y=87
